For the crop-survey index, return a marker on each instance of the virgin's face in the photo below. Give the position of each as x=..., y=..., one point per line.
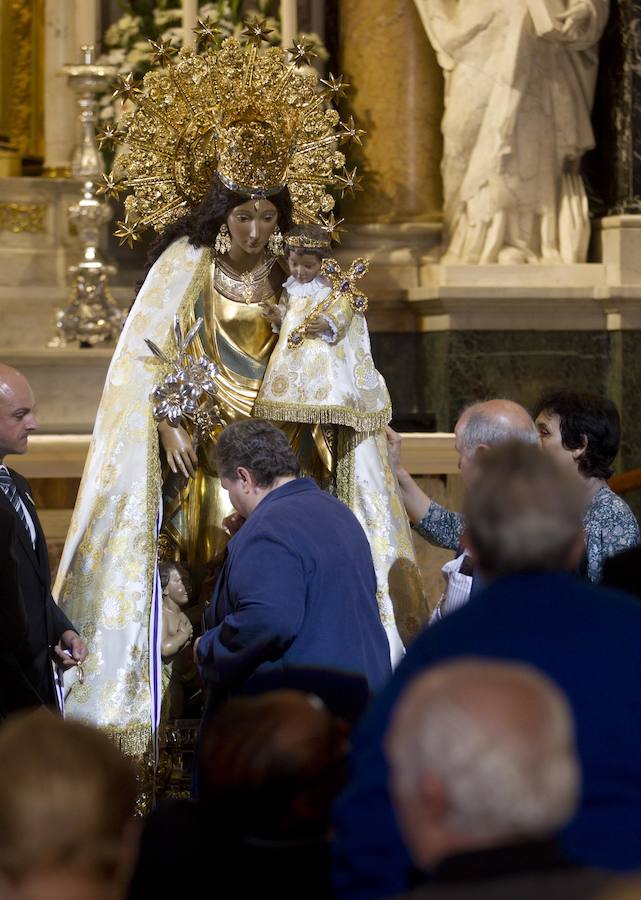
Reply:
x=251, y=224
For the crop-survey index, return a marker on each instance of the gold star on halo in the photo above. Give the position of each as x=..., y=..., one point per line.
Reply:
x=207, y=32
x=350, y=182
x=163, y=51
x=301, y=51
x=336, y=87
x=128, y=232
x=332, y=226
x=256, y=31
x=110, y=187
x=110, y=134
x=351, y=132
x=128, y=89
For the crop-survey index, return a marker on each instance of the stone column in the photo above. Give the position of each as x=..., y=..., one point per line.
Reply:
x=396, y=95
x=613, y=168
x=60, y=111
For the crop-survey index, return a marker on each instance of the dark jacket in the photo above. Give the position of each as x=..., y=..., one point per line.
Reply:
x=17, y=677
x=525, y=871
x=297, y=589
x=585, y=638
x=45, y=620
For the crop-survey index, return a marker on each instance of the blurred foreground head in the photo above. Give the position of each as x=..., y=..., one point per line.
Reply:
x=481, y=754
x=67, y=801
x=523, y=513
x=272, y=765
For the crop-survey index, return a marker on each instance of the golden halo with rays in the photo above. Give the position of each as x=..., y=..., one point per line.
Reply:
x=250, y=117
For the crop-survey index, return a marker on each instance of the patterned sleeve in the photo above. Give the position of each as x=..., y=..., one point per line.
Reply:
x=442, y=527
x=610, y=528
x=338, y=318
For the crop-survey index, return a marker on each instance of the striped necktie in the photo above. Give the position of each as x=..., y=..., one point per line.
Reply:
x=8, y=485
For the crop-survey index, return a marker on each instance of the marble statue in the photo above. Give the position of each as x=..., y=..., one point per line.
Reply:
x=519, y=86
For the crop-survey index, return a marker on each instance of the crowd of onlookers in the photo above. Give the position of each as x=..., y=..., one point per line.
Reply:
x=501, y=759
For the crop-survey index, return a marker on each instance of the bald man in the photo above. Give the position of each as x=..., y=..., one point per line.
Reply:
x=479, y=426
x=483, y=773
x=50, y=634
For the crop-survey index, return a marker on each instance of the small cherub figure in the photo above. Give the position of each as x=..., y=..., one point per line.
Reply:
x=176, y=627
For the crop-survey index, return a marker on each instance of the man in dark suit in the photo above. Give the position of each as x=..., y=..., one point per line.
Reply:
x=298, y=587
x=524, y=521
x=17, y=677
x=50, y=635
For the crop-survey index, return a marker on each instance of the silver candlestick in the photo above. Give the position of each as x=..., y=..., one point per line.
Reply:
x=92, y=316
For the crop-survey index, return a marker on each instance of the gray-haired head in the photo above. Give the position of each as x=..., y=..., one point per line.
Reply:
x=523, y=512
x=494, y=422
x=489, y=424
x=481, y=753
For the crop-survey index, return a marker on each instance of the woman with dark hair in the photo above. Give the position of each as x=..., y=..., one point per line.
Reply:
x=582, y=431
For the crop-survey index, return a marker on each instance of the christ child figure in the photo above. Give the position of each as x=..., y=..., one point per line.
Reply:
x=321, y=370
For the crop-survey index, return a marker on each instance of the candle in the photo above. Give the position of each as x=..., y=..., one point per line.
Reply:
x=86, y=22
x=190, y=21
x=288, y=22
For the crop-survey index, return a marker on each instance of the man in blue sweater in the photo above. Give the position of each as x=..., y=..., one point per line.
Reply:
x=298, y=587
x=523, y=527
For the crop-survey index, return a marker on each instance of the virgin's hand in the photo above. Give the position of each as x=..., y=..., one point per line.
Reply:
x=179, y=449
x=394, y=443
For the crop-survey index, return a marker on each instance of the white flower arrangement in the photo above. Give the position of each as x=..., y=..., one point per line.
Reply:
x=127, y=48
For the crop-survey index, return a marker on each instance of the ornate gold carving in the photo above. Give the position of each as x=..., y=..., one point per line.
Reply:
x=23, y=45
x=22, y=218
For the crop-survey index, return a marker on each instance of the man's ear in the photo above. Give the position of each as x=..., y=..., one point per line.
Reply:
x=247, y=480
x=433, y=796
x=466, y=544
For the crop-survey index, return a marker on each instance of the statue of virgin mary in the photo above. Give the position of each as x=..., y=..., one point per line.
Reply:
x=225, y=149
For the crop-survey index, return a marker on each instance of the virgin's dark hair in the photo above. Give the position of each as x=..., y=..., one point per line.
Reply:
x=202, y=223
x=589, y=419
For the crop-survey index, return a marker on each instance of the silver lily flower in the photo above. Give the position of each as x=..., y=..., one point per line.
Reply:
x=181, y=393
x=174, y=399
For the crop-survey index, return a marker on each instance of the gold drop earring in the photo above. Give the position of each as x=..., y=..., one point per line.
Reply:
x=222, y=244
x=275, y=242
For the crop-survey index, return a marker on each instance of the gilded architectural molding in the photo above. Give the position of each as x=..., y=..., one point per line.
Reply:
x=23, y=218
x=23, y=48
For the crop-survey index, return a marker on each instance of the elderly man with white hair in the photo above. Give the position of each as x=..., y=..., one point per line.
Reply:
x=483, y=771
x=480, y=426
x=524, y=521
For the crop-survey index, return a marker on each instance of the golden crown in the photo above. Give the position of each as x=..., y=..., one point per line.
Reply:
x=303, y=242
x=254, y=119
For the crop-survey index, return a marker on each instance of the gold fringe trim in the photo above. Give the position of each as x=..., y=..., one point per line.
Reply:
x=346, y=466
x=131, y=740
x=323, y=415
